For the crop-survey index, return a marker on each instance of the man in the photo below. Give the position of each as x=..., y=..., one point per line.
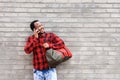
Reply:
x=38, y=43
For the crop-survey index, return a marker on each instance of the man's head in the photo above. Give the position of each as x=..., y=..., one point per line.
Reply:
x=36, y=25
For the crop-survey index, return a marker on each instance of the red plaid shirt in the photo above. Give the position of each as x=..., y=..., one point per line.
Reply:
x=35, y=45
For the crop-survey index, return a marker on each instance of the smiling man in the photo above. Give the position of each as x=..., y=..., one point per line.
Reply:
x=38, y=43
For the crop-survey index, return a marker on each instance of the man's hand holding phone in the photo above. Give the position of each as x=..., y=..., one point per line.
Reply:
x=36, y=33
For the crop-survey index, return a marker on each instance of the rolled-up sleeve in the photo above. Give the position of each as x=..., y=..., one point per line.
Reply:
x=28, y=48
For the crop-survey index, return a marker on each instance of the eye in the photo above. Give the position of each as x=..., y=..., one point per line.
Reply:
x=37, y=24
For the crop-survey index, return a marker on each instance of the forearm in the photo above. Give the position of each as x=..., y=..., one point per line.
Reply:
x=30, y=45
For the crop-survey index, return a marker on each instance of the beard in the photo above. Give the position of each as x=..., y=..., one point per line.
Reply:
x=41, y=32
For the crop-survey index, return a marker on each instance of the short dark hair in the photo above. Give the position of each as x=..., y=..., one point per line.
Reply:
x=32, y=24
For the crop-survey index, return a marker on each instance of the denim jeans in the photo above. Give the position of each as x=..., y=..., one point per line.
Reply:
x=49, y=74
